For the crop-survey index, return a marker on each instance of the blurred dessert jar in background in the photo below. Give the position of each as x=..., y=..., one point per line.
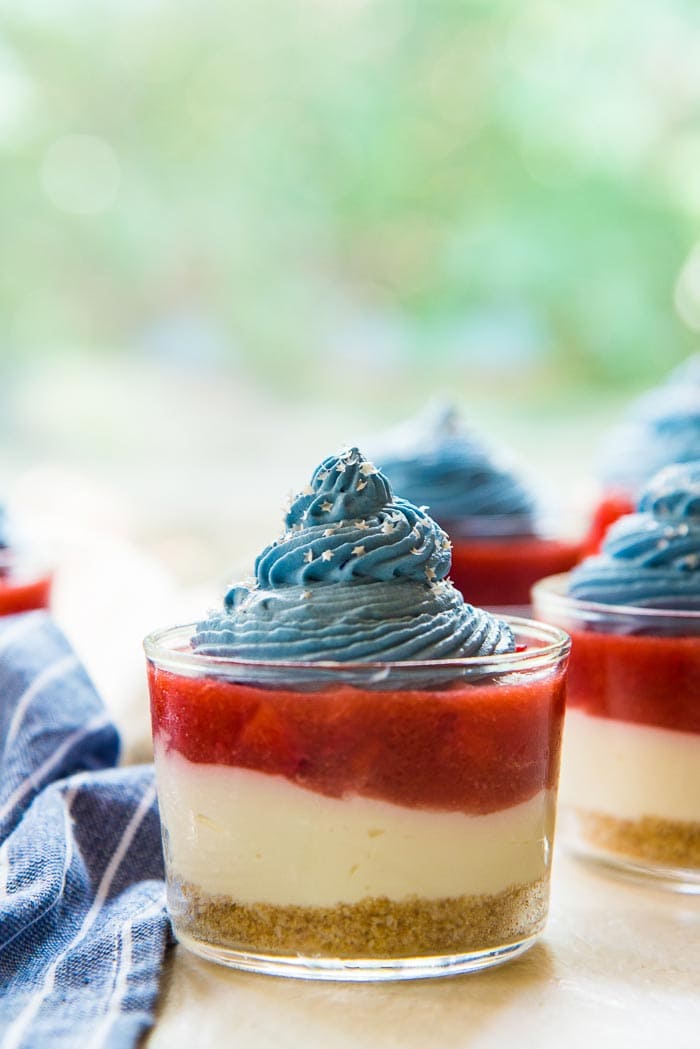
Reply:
x=502, y=542
x=630, y=789
x=25, y=584
x=356, y=770
x=657, y=429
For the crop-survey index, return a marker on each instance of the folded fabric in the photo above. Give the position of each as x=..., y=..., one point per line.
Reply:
x=83, y=926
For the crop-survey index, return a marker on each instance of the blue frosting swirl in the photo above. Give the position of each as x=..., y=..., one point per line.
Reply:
x=357, y=576
x=435, y=461
x=650, y=559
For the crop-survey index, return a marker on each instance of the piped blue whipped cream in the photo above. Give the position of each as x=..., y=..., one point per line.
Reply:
x=434, y=460
x=660, y=428
x=358, y=576
x=650, y=559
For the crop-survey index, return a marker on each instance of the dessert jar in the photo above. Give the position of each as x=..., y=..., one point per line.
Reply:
x=358, y=821
x=630, y=786
x=25, y=584
x=660, y=428
x=501, y=543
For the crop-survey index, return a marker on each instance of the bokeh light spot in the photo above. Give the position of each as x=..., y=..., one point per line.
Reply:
x=687, y=291
x=80, y=174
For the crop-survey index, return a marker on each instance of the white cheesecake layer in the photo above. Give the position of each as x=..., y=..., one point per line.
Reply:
x=629, y=771
x=259, y=838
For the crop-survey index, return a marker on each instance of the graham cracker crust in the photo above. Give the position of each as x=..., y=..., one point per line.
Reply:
x=672, y=843
x=374, y=927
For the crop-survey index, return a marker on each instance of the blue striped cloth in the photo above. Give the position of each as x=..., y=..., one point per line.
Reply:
x=83, y=926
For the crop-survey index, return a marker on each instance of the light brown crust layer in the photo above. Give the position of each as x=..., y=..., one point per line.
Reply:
x=375, y=927
x=671, y=843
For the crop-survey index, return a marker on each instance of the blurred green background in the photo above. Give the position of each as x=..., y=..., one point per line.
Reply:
x=227, y=222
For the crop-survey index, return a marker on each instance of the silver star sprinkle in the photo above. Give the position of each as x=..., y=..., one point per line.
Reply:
x=326, y=555
x=358, y=551
x=361, y=485
x=326, y=507
x=362, y=526
x=430, y=573
x=308, y=557
x=368, y=469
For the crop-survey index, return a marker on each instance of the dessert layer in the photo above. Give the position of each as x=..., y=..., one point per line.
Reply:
x=258, y=838
x=502, y=571
x=474, y=748
x=370, y=928
x=646, y=680
x=630, y=771
x=23, y=595
x=669, y=843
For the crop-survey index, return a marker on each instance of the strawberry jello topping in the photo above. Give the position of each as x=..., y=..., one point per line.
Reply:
x=474, y=748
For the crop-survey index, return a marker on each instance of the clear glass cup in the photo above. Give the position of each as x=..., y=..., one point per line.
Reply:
x=630, y=781
x=358, y=821
x=25, y=584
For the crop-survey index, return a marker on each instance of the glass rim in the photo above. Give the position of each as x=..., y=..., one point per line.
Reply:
x=557, y=645
x=552, y=588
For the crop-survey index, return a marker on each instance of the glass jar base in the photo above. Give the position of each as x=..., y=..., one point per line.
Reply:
x=673, y=879
x=358, y=970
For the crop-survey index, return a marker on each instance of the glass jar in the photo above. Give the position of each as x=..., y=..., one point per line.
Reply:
x=358, y=821
x=630, y=786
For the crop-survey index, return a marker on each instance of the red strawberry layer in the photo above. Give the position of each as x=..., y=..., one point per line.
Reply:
x=645, y=680
x=472, y=748
x=17, y=596
x=503, y=571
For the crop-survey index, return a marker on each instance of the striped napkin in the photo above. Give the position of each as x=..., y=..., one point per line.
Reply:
x=83, y=926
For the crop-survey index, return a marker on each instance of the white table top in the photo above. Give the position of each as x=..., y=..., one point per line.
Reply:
x=618, y=966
